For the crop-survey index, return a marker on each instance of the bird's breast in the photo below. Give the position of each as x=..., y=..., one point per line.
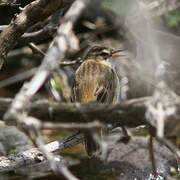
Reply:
x=92, y=77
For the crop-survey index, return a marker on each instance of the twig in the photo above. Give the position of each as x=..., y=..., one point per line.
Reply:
x=17, y=78
x=46, y=32
x=68, y=63
x=3, y=27
x=36, y=123
x=38, y=36
x=29, y=73
x=71, y=126
x=35, y=49
x=62, y=63
x=152, y=158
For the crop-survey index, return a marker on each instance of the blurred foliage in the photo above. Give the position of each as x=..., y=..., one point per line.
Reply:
x=109, y=6
x=55, y=84
x=173, y=18
x=117, y=7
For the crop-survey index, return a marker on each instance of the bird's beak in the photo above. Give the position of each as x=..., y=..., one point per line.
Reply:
x=117, y=53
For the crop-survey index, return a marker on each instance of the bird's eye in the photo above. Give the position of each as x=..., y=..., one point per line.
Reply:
x=105, y=54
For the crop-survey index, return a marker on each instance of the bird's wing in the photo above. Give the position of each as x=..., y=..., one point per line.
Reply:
x=107, y=89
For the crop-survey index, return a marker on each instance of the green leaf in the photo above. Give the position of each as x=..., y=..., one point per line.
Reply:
x=173, y=19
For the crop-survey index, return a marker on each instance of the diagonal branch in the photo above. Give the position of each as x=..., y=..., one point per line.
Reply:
x=34, y=155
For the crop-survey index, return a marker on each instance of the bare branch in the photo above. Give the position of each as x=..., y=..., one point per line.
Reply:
x=3, y=27
x=129, y=113
x=31, y=72
x=32, y=13
x=35, y=49
x=34, y=155
x=46, y=32
x=37, y=36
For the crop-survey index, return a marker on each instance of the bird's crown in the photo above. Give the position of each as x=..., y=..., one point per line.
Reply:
x=99, y=52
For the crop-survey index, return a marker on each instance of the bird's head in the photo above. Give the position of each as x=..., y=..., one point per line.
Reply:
x=101, y=53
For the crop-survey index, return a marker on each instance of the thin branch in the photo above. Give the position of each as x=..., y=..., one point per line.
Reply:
x=71, y=126
x=35, y=49
x=38, y=36
x=17, y=78
x=29, y=73
x=34, y=122
x=46, y=32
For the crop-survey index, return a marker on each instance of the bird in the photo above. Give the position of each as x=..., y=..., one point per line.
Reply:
x=96, y=80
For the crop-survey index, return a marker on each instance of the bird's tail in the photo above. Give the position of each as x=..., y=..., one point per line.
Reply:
x=93, y=147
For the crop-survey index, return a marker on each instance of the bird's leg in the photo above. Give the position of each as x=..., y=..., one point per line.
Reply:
x=151, y=154
x=126, y=137
x=102, y=144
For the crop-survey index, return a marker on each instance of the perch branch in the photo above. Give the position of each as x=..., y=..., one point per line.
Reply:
x=129, y=113
x=126, y=113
